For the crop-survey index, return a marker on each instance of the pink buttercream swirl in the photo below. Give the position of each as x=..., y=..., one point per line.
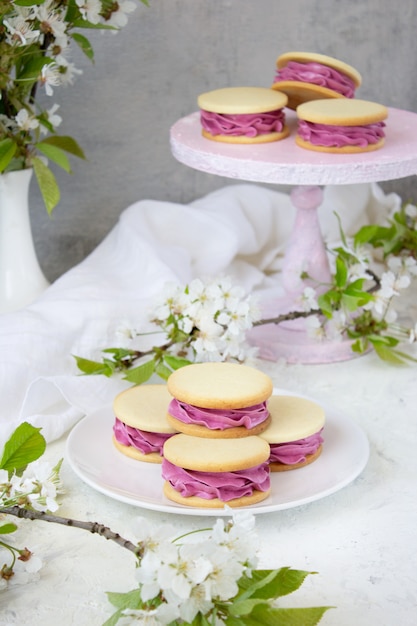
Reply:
x=218, y=419
x=223, y=485
x=317, y=74
x=248, y=125
x=295, y=451
x=339, y=136
x=144, y=441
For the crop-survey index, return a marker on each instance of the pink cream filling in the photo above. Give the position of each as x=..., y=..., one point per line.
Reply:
x=339, y=136
x=144, y=441
x=216, y=419
x=317, y=74
x=295, y=451
x=223, y=485
x=248, y=125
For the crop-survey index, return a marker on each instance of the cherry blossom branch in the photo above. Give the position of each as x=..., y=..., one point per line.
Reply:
x=285, y=317
x=92, y=527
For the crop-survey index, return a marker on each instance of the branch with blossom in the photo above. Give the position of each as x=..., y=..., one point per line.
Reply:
x=210, y=321
x=187, y=580
x=35, y=46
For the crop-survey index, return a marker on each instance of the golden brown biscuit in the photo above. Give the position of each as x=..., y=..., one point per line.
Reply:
x=341, y=126
x=232, y=105
x=299, y=91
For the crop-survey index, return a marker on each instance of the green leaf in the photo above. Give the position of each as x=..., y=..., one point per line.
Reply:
x=273, y=583
x=47, y=184
x=128, y=600
x=31, y=70
x=245, y=607
x=341, y=272
x=163, y=371
x=93, y=368
x=25, y=445
x=84, y=44
x=28, y=3
x=8, y=528
x=386, y=353
x=85, y=24
x=268, y=616
x=360, y=345
x=55, y=154
x=7, y=152
x=141, y=374
x=175, y=362
x=326, y=302
x=65, y=143
x=112, y=621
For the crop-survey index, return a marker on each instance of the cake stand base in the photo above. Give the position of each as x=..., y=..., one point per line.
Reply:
x=295, y=346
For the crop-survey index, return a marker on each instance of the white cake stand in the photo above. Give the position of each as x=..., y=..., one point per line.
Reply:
x=284, y=163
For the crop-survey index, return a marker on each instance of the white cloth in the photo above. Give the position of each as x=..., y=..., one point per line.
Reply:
x=239, y=230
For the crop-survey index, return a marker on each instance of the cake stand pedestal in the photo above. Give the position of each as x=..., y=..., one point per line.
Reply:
x=284, y=163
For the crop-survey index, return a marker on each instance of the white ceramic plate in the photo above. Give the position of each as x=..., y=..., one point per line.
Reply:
x=93, y=457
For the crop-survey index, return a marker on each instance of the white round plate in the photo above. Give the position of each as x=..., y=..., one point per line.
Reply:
x=93, y=457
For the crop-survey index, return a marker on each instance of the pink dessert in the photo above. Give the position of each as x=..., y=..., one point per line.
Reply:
x=294, y=452
x=317, y=74
x=144, y=441
x=216, y=419
x=338, y=136
x=225, y=486
x=247, y=125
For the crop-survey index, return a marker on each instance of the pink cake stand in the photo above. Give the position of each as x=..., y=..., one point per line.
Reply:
x=284, y=163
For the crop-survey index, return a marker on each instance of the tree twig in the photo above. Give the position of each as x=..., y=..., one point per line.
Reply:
x=285, y=317
x=92, y=527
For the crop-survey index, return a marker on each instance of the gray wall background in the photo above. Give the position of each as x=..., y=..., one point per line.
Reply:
x=149, y=75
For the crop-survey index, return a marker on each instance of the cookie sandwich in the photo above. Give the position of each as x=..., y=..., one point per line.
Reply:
x=305, y=76
x=141, y=427
x=212, y=473
x=243, y=115
x=295, y=433
x=341, y=126
x=219, y=400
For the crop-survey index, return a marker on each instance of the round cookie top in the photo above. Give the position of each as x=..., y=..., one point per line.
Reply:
x=242, y=100
x=144, y=407
x=342, y=112
x=323, y=59
x=220, y=385
x=216, y=455
x=292, y=418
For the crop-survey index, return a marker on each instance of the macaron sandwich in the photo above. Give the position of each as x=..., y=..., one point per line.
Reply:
x=219, y=400
x=203, y=472
x=295, y=433
x=305, y=76
x=341, y=126
x=243, y=115
x=141, y=428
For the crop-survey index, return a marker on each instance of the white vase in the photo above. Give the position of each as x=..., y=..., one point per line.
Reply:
x=21, y=278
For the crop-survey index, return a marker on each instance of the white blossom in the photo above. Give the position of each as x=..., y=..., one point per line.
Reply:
x=314, y=328
x=308, y=299
x=119, y=17
x=20, y=31
x=26, y=121
x=67, y=70
x=392, y=283
x=411, y=211
x=90, y=10
x=184, y=570
x=52, y=21
x=50, y=77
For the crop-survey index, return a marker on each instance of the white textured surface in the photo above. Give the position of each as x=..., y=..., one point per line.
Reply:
x=283, y=162
x=361, y=540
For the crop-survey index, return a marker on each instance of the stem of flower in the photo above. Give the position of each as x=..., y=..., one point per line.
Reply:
x=92, y=527
x=293, y=315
